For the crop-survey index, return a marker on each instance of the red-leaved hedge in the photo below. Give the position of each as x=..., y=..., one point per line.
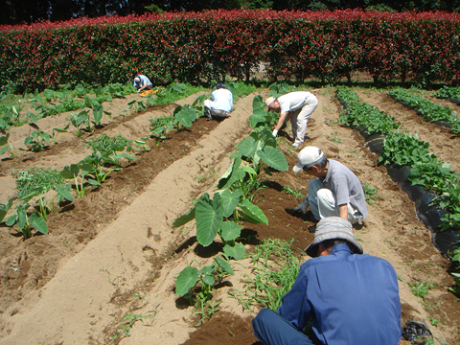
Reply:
x=209, y=45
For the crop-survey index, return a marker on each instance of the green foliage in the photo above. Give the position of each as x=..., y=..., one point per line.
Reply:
x=275, y=270
x=456, y=288
x=36, y=181
x=405, y=149
x=420, y=289
x=26, y=222
x=200, y=296
x=37, y=140
x=370, y=193
x=295, y=192
x=430, y=111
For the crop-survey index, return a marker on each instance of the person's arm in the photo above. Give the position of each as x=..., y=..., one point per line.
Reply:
x=343, y=211
x=283, y=117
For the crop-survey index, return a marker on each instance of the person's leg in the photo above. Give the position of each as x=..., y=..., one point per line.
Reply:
x=327, y=205
x=207, y=108
x=272, y=329
x=313, y=187
x=302, y=120
x=294, y=127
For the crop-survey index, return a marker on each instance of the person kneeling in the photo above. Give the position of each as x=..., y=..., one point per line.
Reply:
x=348, y=297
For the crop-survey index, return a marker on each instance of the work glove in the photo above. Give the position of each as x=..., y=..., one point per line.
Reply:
x=303, y=206
x=275, y=133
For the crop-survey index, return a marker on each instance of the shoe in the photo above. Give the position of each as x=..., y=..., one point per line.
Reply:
x=358, y=226
x=312, y=228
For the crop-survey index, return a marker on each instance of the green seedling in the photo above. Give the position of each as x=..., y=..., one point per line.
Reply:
x=370, y=193
x=26, y=222
x=295, y=192
x=5, y=144
x=433, y=321
x=37, y=140
x=421, y=289
x=59, y=130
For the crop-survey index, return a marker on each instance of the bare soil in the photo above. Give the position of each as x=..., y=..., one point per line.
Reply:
x=114, y=253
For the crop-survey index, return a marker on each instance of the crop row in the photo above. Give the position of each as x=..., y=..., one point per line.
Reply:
x=410, y=158
x=431, y=112
x=208, y=46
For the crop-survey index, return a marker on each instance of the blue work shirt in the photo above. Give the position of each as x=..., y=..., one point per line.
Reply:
x=350, y=299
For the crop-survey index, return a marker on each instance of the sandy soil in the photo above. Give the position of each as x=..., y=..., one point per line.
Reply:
x=114, y=252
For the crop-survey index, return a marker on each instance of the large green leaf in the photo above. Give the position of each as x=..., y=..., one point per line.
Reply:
x=258, y=102
x=224, y=264
x=38, y=223
x=252, y=213
x=274, y=158
x=186, y=116
x=97, y=112
x=237, y=252
x=209, y=215
x=4, y=139
x=230, y=231
x=70, y=172
x=186, y=280
x=247, y=147
x=230, y=200
x=231, y=175
x=184, y=219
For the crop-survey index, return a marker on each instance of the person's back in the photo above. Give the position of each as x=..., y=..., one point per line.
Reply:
x=351, y=299
x=222, y=100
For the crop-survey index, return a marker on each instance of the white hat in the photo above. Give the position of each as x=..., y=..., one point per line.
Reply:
x=333, y=228
x=269, y=101
x=137, y=79
x=308, y=156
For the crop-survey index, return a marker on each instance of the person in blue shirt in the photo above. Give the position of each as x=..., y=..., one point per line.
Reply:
x=346, y=297
x=141, y=82
x=221, y=103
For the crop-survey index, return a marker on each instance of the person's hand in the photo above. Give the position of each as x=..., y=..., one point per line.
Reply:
x=138, y=90
x=303, y=206
x=275, y=132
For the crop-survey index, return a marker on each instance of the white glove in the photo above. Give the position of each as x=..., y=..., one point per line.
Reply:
x=275, y=133
x=303, y=206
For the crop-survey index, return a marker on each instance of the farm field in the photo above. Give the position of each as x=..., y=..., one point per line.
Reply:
x=106, y=271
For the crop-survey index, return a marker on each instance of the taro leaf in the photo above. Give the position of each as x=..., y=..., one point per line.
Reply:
x=123, y=155
x=237, y=252
x=184, y=219
x=199, y=100
x=4, y=139
x=274, y=158
x=207, y=270
x=209, y=217
x=70, y=172
x=179, y=88
x=252, y=213
x=38, y=223
x=235, y=175
x=255, y=119
x=97, y=112
x=3, y=150
x=93, y=182
x=247, y=147
x=230, y=231
x=209, y=280
x=64, y=192
x=4, y=208
x=186, y=280
x=157, y=131
x=258, y=102
x=224, y=264
x=230, y=200
x=186, y=116
x=22, y=217
x=45, y=136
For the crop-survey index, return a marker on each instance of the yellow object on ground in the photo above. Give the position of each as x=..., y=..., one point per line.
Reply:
x=149, y=92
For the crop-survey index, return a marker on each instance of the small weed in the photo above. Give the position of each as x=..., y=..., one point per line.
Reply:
x=370, y=193
x=334, y=138
x=294, y=192
x=128, y=323
x=434, y=322
x=421, y=289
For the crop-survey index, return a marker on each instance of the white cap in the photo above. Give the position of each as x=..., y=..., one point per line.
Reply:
x=269, y=101
x=137, y=80
x=308, y=156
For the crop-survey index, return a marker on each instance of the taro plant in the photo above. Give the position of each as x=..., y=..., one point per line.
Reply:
x=221, y=216
x=59, y=130
x=37, y=140
x=4, y=208
x=75, y=170
x=26, y=222
x=200, y=296
x=5, y=144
